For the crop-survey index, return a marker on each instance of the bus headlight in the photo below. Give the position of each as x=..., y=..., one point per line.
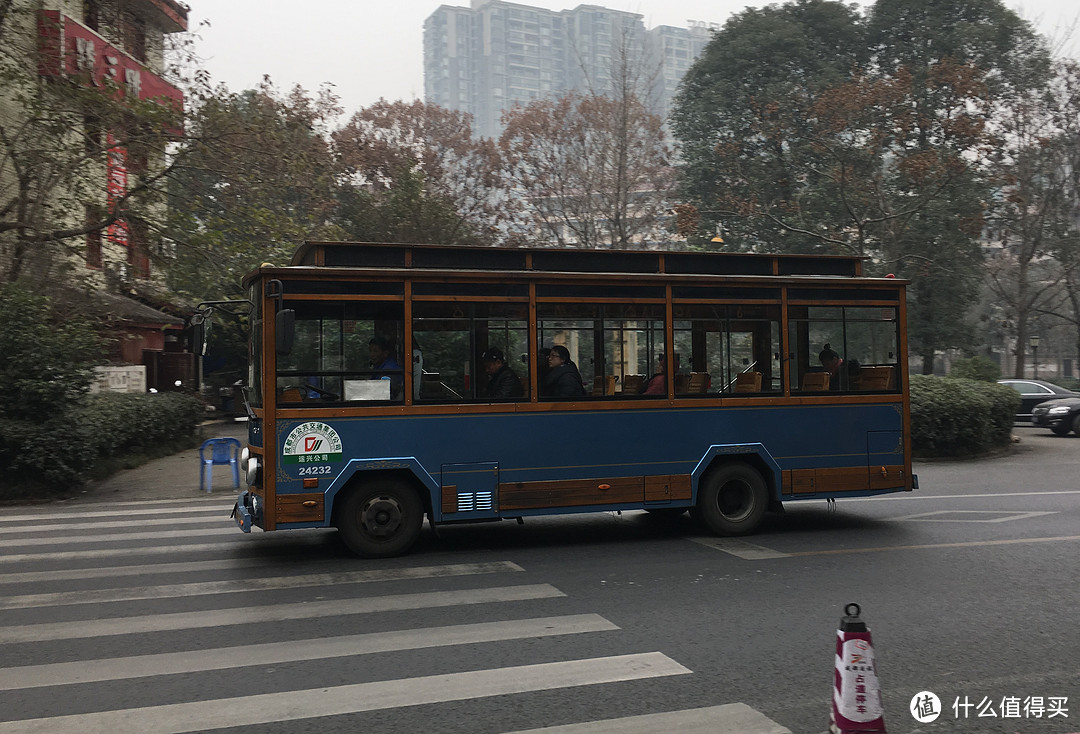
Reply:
x=251, y=471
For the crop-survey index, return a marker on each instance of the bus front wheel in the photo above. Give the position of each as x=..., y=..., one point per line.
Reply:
x=732, y=499
x=381, y=518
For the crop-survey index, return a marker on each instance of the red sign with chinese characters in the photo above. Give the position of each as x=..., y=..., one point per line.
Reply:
x=70, y=48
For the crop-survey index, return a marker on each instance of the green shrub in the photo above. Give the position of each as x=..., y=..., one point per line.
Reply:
x=49, y=358
x=978, y=367
x=960, y=417
x=49, y=457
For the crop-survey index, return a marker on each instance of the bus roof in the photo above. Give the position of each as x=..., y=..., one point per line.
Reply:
x=642, y=262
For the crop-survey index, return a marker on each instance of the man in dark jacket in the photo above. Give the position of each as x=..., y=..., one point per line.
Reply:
x=502, y=381
x=563, y=380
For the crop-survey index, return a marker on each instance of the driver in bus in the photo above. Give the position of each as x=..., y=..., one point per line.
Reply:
x=386, y=365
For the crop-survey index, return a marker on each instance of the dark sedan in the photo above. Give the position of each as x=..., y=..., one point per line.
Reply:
x=1060, y=415
x=1033, y=392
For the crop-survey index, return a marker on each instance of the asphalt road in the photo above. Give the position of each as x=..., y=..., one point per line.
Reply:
x=159, y=616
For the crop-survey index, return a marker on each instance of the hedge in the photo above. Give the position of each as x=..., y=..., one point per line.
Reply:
x=62, y=450
x=960, y=417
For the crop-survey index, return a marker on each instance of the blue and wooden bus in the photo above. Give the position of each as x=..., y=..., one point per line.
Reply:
x=371, y=405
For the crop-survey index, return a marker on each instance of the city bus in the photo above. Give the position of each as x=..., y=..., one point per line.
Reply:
x=371, y=401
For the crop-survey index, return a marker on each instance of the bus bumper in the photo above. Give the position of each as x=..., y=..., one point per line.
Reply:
x=241, y=513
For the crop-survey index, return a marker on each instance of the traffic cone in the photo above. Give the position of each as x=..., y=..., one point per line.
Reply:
x=856, y=702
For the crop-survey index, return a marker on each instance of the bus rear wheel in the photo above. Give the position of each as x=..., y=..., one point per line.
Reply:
x=732, y=499
x=381, y=518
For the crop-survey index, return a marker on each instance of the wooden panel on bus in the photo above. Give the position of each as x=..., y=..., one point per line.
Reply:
x=799, y=481
x=570, y=493
x=887, y=477
x=306, y=507
x=842, y=479
x=449, y=498
x=668, y=487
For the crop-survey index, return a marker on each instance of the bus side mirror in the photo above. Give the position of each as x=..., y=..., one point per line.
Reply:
x=285, y=329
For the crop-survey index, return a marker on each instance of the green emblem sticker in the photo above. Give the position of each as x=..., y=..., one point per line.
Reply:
x=312, y=443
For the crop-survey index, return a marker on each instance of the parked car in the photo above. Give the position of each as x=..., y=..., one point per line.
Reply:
x=1033, y=392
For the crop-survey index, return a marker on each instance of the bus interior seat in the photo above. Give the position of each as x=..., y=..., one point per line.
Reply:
x=874, y=378
x=682, y=384
x=289, y=395
x=633, y=384
x=604, y=385
x=748, y=382
x=815, y=381
x=699, y=382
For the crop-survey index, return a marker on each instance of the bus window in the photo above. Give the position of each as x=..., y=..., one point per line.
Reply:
x=614, y=345
x=732, y=349
x=343, y=353
x=855, y=346
x=450, y=337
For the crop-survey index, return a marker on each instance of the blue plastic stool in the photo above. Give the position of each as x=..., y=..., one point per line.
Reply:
x=222, y=451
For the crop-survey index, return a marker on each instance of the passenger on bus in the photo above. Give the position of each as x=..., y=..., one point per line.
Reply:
x=564, y=379
x=832, y=363
x=386, y=365
x=657, y=384
x=503, y=382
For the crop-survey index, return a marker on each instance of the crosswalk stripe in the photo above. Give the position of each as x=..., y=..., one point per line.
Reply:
x=217, y=507
x=141, y=666
x=730, y=717
x=113, y=524
x=155, y=569
x=221, y=500
x=229, y=528
x=277, y=613
x=235, y=586
x=141, y=552
x=305, y=704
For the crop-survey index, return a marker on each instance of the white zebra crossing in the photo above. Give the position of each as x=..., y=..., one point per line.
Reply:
x=238, y=586
x=130, y=632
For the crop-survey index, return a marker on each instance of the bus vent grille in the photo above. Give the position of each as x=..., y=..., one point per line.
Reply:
x=473, y=501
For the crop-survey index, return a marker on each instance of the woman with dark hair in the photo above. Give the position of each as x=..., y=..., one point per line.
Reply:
x=563, y=379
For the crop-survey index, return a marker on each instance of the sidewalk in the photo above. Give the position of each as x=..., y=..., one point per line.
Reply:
x=170, y=477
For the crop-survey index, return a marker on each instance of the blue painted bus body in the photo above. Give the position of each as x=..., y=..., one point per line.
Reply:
x=531, y=446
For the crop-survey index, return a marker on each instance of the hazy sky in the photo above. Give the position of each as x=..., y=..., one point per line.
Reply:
x=374, y=48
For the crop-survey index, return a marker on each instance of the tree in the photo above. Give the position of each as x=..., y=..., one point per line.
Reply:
x=413, y=172
x=254, y=178
x=879, y=148
x=1032, y=218
x=739, y=115
x=593, y=171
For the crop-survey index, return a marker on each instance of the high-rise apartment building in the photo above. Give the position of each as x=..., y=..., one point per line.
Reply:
x=489, y=57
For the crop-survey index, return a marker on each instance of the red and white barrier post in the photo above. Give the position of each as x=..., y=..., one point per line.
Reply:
x=856, y=703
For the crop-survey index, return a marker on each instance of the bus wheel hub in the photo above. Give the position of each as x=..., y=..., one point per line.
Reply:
x=381, y=516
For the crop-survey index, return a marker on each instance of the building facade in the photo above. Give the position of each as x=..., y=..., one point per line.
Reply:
x=494, y=55
x=84, y=83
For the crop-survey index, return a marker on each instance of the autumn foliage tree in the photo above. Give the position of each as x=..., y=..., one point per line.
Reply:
x=413, y=172
x=591, y=171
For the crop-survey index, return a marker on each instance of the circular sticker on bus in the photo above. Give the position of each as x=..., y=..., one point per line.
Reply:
x=311, y=443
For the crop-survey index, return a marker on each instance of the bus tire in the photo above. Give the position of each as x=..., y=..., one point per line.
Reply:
x=732, y=499
x=380, y=518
